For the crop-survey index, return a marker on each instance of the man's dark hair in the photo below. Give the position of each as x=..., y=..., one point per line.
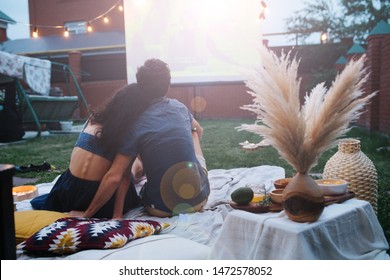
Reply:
x=154, y=78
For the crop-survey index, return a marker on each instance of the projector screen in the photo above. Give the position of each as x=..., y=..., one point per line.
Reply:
x=201, y=40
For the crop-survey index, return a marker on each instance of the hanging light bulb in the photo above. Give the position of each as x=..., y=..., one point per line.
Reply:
x=120, y=7
x=89, y=27
x=105, y=19
x=66, y=32
x=35, y=32
x=324, y=37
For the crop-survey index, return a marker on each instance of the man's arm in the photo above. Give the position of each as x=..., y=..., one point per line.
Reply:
x=197, y=128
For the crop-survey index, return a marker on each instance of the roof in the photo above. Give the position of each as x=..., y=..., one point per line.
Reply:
x=381, y=28
x=356, y=49
x=341, y=61
x=61, y=44
x=4, y=17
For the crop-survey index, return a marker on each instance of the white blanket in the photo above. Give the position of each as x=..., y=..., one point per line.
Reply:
x=36, y=72
x=202, y=227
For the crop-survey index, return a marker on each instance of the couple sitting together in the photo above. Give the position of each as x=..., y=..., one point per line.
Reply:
x=138, y=131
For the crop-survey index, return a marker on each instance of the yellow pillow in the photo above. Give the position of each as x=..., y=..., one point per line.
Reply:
x=29, y=222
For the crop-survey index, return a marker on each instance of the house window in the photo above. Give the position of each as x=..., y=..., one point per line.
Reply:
x=76, y=27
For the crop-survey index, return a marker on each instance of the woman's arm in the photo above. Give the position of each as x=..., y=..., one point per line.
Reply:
x=109, y=184
x=121, y=194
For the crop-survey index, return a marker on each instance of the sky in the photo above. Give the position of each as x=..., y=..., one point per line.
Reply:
x=279, y=10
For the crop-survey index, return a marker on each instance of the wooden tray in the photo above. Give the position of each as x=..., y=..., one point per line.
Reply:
x=274, y=207
x=254, y=207
x=330, y=199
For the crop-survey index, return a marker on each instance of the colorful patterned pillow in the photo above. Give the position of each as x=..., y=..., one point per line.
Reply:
x=70, y=235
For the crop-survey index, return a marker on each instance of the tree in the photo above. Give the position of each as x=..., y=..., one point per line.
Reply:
x=348, y=18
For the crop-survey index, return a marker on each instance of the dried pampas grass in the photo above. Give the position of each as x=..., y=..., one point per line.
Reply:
x=302, y=134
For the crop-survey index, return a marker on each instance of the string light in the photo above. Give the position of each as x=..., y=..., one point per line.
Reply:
x=324, y=37
x=66, y=32
x=35, y=32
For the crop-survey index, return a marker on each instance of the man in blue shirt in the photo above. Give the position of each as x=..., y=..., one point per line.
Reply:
x=167, y=139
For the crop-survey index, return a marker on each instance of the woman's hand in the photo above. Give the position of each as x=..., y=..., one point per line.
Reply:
x=77, y=214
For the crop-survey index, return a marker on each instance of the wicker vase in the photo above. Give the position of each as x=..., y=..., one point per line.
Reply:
x=351, y=164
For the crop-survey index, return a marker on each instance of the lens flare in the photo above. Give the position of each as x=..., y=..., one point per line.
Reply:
x=198, y=104
x=181, y=184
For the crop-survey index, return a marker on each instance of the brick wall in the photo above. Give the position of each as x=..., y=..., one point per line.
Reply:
x=205, y=101
x=3, y=35
x=214, y=100
x=377, y=114
x=384, y=106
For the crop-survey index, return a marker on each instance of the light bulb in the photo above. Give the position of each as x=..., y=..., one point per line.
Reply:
x=35, y=32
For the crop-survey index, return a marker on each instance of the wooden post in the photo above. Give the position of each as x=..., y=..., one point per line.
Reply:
x=7, y=238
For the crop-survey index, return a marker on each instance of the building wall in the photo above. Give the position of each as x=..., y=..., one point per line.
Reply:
x=384, y=112
x=377, y=114
x=213, y=101
x=3, y=34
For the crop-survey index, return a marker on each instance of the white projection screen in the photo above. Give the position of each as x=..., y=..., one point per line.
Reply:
x=201, y=40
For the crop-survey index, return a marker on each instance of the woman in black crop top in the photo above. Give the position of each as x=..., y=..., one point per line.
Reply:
x=92, y=157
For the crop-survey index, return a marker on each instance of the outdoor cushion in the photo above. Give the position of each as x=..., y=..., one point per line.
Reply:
x=29, y=222
x=69, y=235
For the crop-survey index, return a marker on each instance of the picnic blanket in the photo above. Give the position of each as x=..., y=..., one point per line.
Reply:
x=202, y=227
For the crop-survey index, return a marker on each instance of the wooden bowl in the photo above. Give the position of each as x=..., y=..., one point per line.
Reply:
x=333, y=186
x=24, y=192
x=276, y=196
x=281, y=183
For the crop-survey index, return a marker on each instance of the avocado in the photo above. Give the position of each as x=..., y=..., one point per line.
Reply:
x=242, y=195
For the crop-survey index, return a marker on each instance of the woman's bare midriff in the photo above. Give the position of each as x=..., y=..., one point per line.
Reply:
x=88, y=166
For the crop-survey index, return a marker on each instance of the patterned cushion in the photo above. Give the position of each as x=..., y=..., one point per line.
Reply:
x=69, y=235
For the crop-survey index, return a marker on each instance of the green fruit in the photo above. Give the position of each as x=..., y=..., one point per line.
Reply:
x=242, y=195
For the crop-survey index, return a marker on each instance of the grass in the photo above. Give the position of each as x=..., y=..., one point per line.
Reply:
x=221, y=150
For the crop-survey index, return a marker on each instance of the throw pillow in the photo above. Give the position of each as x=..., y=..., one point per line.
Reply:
x=70, y=235
x=30, y=221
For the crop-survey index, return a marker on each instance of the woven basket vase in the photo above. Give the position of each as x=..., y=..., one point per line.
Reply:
x=351, y=164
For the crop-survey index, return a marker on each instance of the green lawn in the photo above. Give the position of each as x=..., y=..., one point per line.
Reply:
x=221, y=150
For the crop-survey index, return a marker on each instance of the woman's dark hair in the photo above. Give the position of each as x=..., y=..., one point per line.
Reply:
x=154, y=78
x=118, y=115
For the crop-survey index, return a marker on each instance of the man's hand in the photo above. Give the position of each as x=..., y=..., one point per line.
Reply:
x=197, y=128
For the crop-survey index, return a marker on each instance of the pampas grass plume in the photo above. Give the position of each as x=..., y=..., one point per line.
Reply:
x=302, y=133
